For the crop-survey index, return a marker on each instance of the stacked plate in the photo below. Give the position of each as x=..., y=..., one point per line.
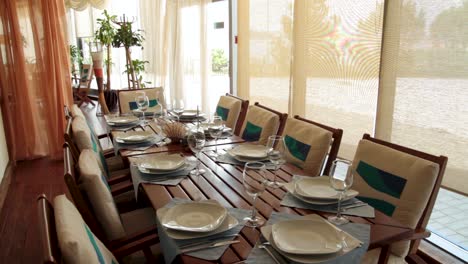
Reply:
x=196, y=219
x=133, y=137
x=317, y=190
x=162, y=164
x=248, y=152
x=227, y=131
x=191, y=115
x=308, y=240
x=119, y=121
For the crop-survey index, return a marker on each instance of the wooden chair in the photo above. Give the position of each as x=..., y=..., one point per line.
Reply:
x=83, y=205
x=50, y=245
x=331, y=152
x=127, y=98
x=81, y=90
x=440, y=161
x=266, y=120
x=236, y=108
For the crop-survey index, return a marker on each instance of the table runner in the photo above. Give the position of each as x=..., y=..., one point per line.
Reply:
x=170, y=246
x=359, y=231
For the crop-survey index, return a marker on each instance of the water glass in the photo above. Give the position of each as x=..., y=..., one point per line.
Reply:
x=143, y=103
x=216, y=128
x=341, y=179
x=196, y=141
x=276, y=154
x=255, y=182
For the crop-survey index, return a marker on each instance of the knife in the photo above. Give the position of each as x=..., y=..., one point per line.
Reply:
x=209, y=245
x=210, y=241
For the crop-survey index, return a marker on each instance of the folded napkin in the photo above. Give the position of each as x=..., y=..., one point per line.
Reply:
x=358, y=231
x=136, y=146
x=290, y=200
x=172, y=178
x=171, y=247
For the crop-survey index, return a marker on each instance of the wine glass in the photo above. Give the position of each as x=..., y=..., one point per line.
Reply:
x=255, y=182
x=178, y=108
x=196, y=141
x=276, y=150
x=142, y=102
x=215, y=128
x=341, y=178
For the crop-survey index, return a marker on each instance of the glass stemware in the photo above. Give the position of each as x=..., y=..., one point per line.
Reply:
x=341, y=178
x=142, y=102
x=178, y=108
x=255, y=182
x=276, y=151
x=215, y=129
x=196, y=141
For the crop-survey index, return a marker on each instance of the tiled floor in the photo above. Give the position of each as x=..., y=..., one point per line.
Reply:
x=449, y=218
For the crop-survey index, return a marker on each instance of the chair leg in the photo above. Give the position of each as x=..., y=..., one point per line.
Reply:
x=384, y=255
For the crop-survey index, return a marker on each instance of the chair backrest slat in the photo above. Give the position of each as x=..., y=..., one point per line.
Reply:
x=50, y=247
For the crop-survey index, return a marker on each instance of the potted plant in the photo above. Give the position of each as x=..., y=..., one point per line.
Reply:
x=75, y=59
x=138, y=67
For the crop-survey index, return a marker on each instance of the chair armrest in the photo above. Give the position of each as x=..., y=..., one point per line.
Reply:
x=151, y=232
x=102, y=136
x=119, y=179
x=414, y=259
x=420, y=234
x=122, y=188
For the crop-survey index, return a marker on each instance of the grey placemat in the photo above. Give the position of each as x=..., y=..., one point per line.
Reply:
x=170, y=247
x=291, y=201
x=359, y=231
x=118, y=146
x=228, y=159
x=166, y=179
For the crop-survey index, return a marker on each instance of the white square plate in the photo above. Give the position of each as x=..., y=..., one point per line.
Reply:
x=249, y=151
x=194, y=217
x=319, y=188
x=162, y=162
x=133, y=136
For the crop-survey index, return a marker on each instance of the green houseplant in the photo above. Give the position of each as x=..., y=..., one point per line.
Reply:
x=75, y=59
x=105, y=34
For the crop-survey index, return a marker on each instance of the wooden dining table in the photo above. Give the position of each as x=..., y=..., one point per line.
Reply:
x=223, y=183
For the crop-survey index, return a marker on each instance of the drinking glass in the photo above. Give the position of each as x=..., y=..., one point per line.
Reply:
x=341, y=178
x=276, y=151
x=196, y=141
x=215, y=128
x=255, y=182
x=142, y=102
x=178, y=108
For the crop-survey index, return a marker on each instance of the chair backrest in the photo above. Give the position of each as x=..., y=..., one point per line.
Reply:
x=426, y=170
x=79, y=199
x=86, y=76
x=242, y=113
x=68, y=137
x=50, y=246
x=127, y=98
x=312, y=146
x=261, y=122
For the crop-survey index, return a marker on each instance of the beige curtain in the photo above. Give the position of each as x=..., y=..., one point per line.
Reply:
x=35, y=76
x=178, y=50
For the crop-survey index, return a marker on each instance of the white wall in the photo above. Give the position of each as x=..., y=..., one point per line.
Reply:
x=3, y=149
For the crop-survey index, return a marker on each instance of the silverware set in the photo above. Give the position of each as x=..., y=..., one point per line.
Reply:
x=209, y=243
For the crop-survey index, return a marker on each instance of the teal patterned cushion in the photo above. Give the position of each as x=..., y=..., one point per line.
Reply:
x=133, y=105
x=297, y=148
x=222, y=112
x=99, y=254
x=251, y=132
x=383, y=182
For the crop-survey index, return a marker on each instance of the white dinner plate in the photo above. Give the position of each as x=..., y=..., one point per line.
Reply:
x=161, y=163
x=228, y=223
x=194, y=217
x=159, y=172
x=351, y=243
x=319, y=188
x=306, y=237
x=291, y=189
x=122, y=120
x=249, y=151
x=191, y=114
x=133, y=136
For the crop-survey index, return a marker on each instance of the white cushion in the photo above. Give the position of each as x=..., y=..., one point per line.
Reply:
x=268, y=121
x=82, y=134
x=76, y=241
x=372, y=257
x=127, y=96
x=307, y=145
x=95, y=185
x=234, y=106
x=76, y=111
x=401, y=186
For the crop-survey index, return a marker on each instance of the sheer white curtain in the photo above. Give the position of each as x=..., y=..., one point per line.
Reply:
x=177, y=49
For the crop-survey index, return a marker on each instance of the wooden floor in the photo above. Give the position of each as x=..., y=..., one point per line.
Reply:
x=19, y=234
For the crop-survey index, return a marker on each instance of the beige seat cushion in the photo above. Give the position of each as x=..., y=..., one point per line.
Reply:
x=307, y=145
x=76, y=111
x=127, y=99
x=229, y=109
x=395, y=183
x=76, y=241
x=95, y=185
x=372, y=257
x=259, y=124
